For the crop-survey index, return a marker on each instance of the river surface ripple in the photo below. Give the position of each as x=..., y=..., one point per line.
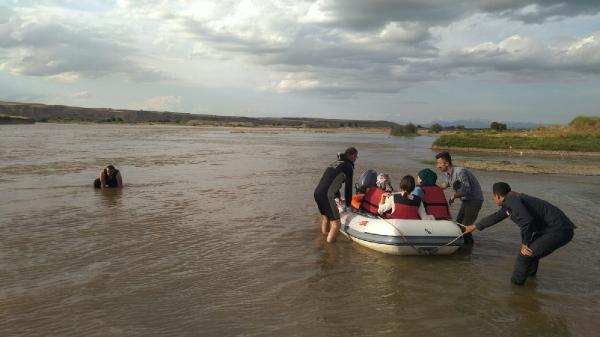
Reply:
x=216, y=233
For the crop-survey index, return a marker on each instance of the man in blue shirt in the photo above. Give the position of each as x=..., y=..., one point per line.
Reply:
x=544, y=227
x=466, y=188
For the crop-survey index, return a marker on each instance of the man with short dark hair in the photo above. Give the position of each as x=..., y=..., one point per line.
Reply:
x=337, y=173
x=466, y=188
x=544, y=227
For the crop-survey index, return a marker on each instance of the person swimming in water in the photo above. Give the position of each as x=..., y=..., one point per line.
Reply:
x=109, y=177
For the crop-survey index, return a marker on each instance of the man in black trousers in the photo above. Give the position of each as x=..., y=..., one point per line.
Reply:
x=544, y=227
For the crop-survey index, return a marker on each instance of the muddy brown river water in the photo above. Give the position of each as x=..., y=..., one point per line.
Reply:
x=216, y=234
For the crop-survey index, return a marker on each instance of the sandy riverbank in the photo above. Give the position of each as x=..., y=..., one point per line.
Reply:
x=537, y=168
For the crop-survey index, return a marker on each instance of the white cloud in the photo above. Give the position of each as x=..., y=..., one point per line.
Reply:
x=67, y=77
x=161, y=103
x=81, y=94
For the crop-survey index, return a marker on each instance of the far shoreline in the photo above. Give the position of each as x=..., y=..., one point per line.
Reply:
x=484, y=165
x=518, y=152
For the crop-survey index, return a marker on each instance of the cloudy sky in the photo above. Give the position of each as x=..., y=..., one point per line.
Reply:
x=415, y=60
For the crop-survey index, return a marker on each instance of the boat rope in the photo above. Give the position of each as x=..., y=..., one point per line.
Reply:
x=401, y=234
x=435, y=249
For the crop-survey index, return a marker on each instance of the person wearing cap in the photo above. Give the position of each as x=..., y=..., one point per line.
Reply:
x=466, y=188
x=337, y=173
x=544, y=227
x=425, y=177
x=109, y=177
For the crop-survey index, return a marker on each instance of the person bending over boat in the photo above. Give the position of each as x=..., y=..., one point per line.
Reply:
x=466, y=188
x=337, y=173
x=432, y=195
x=109, y=177
x=544, y=227
x=403, y=205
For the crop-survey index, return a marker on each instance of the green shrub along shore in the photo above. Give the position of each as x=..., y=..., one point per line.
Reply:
x=582, y=135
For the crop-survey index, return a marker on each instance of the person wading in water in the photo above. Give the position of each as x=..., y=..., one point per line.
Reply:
x=109, y=177
x=337, y=173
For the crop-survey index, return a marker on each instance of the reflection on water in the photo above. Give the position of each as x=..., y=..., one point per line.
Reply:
x=216, y=233
x=110, y=197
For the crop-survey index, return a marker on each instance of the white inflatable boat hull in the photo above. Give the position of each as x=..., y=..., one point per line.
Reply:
x=401, y=237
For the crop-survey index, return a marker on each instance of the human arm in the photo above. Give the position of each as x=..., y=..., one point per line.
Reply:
x=456, y=195
x=102, y=179
x=461, y=186
x=119, y=179
x=348, y=185
x=423, y=214
x=386, y=203
x=491, y=219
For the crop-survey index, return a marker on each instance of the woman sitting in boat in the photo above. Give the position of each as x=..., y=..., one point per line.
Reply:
x=432, y=195
x=371, y=187
x=403, y=205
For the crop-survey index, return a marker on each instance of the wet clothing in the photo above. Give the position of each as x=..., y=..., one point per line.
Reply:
x=111, y=181
x=462, y=180
x=542, y=245
x=544, y=228
x=467, y=214
x=337, y=173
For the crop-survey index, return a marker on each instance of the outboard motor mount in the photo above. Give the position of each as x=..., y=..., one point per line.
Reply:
x=368, y=178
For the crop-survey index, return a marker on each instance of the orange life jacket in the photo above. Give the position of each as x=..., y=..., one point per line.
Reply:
x=370, y=202
x=435, y=203
x=405, y=208
x=357, y=200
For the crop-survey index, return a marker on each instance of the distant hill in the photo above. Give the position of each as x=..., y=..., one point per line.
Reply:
x=58, y=113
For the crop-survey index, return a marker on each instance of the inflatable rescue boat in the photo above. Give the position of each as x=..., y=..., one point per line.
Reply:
x=399, y=236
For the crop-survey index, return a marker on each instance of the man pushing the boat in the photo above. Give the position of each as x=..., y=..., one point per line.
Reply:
x=337, y=173
x=544, y=227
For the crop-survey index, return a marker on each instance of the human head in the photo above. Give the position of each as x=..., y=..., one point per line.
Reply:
x=500, y=190
x=384, y=182
x=443, y=161
x=110, y=169
x=427, y=177
x=351, y=153
x=407, y=184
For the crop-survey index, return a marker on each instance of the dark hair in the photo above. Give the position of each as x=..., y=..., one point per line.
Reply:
x=444, y=155
x=501, y=189
x=111, y=167
x=407, y=183
x=351, y=151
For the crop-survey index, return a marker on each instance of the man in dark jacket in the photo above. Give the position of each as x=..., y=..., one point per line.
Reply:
x=339, y=172
x=544, y=227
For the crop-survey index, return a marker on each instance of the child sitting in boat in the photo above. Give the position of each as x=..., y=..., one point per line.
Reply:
x=432, y=195
x=403, y=205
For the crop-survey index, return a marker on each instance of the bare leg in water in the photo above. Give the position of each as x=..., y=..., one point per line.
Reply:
x=334, y=231
x=324, y=224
